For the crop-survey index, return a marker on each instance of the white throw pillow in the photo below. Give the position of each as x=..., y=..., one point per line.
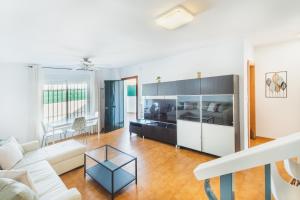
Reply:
x=13, y=139
x=10, y=154
x=20, y=175
x=13, y=190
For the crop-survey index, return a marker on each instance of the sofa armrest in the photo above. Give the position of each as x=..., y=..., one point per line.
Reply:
x=71, y=194
x=30, y=146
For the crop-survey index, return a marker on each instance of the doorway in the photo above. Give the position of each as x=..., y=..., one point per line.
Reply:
x=130, y=99
x=251, y=100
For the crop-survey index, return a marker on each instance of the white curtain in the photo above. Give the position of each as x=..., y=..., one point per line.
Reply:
x=94, y=93
x=36, y=78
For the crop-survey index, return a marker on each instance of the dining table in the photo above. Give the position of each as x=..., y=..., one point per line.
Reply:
x=67, y=123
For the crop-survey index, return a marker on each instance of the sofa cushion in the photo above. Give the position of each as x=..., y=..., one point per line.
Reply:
x=30, y=146
x=10, y=154
x=20, y=175
x=45, y=180
x=63, y=151
x=31, y=158
x=13, y=190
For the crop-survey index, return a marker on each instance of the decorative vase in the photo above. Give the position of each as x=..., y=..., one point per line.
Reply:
x=198, y=74
x=158, y=79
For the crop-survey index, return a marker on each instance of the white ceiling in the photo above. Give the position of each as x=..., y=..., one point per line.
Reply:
x=119, y=33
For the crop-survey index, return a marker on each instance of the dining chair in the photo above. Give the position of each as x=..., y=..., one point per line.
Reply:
x=92, y=123
x=50, y=133
x=78, y=126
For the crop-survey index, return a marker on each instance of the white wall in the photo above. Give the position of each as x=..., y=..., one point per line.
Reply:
x=16, y=102
x=131, y=104
x=278, y=117
x=212, y=60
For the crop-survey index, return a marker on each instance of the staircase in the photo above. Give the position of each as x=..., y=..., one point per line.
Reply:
x=265, y=155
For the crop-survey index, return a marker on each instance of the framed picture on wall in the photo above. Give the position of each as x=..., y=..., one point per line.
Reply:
x=276, y=84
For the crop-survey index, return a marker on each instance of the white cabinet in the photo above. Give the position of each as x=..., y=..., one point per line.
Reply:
x=218, y=140
x=209, y=138
x=189, y=134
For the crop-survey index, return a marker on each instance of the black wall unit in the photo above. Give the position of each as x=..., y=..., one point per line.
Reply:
x=217, y=85
x=167, y=88
x=150, y=89
x=188, y=87
x=208, y=85
x=213, y=100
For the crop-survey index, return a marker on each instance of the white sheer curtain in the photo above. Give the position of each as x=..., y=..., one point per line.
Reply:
x=94, y=93
x=36, y=77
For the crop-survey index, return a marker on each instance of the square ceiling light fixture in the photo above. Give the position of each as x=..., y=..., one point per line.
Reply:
x=175, y=18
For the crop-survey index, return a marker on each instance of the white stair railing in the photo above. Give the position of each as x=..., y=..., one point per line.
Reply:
x=293, y=168
x=262, y=155
x=281, y=189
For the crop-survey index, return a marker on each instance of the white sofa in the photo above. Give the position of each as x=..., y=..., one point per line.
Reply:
x=45, y=164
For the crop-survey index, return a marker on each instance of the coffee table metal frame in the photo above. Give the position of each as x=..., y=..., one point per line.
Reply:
x=106, y=169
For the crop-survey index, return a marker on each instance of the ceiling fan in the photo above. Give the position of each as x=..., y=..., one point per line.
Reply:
x=86, y=65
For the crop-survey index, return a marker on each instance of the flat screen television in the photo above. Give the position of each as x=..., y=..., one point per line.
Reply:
x=162, y=110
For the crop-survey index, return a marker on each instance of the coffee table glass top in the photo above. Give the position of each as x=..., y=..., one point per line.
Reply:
x=106, y=153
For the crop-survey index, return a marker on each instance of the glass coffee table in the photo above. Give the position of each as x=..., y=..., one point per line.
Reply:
x=110, y=167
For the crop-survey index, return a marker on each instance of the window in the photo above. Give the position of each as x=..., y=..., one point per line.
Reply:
x=65, y=101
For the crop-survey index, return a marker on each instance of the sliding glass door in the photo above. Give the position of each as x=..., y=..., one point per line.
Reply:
x=114, y=105
x=65, y=101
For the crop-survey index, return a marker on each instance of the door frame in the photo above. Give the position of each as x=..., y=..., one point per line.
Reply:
x=137, y=93
x=250, y=65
